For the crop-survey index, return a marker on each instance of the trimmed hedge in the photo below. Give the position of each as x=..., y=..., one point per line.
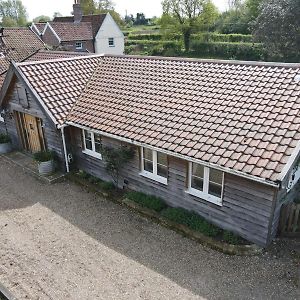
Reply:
x=211, y=37
x=144, y=200
x=244, y=51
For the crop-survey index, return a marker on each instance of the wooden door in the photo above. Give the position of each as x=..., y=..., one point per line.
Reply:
x=31, y=133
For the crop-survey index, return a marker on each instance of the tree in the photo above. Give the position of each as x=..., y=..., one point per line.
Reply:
x=253, y=8
x=41, y=19
x=88, y=7
x=13, y=13
x=183, y=16
x=278, y=28
x=140, y=19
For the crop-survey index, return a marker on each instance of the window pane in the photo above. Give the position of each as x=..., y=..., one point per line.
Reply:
x=216, y=176
x=197, y=183
x=215, y=189
x=162, y=171
x=162, y=159
x=148, y=165
x=97, y=139
x=88, y=140
x=148, y=154
x=198, y=170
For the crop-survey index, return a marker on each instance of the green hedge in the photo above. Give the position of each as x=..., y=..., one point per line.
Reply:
x=243, y=51
x=222, y=38
x=151, y=37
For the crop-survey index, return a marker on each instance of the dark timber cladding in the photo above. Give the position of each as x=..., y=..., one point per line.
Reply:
x=14, y=103
x=247, y=205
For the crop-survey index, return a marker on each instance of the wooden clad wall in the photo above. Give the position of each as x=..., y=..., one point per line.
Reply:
x=52, y=135
x=247, y=206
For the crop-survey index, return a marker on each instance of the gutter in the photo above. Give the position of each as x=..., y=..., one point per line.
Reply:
x=170, y=153
x=62, y=129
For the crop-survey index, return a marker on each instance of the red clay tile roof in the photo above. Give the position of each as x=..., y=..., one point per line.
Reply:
x=47, y=54
x=4, y=64
x=40, y=27
x=241, y=116
x=73, y=31
x=95, y=20
x=59, y=82
x=19, y=43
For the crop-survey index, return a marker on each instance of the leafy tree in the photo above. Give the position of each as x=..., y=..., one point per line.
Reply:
x=183, y=16
x=42, y=19
x=140, y=19
x=88, y=7
x=253, y=8
x=57, y=14
x=13, y=13
x=278, y=28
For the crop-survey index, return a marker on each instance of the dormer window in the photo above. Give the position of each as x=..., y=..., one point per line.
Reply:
x=79, y=45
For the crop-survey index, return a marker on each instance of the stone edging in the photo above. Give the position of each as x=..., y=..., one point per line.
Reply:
x=242, y=250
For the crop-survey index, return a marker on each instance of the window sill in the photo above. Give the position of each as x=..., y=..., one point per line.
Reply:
x=157, y=178
x=93, y=154
x=209, y=198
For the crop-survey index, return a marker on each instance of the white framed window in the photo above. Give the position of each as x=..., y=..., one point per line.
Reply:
x=79, y=45
x=205, y=183
x=111, y=42
x=92, y=144
x=154, y=165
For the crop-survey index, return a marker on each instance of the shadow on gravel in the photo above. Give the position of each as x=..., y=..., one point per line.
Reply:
x=204, y=272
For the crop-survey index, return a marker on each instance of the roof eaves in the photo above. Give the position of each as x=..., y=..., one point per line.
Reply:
x=204, y=163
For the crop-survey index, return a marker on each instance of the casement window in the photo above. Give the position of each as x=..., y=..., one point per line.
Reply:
x=92, y=144
x=111, y=42
x=205, y=183
x=154, y=165
x=79, y=45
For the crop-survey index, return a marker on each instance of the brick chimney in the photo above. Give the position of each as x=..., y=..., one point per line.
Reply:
x=77, y=11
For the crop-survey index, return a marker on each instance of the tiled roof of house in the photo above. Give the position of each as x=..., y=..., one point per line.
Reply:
x=4, y=64
x=240, y=116
x=47, y=54
x=59, y=82
x=19, y=43
x=40, y=27
x=95, y=20
x=73, y=31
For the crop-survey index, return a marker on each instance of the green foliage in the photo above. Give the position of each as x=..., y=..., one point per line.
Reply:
x=192, y=220
x=115, y=159
x=41, y=19
x=13, y=13
x=209, y=37
x=243, y=51
x=151, y=202
x=231, y=238
x=44, y=156
x=277, y=27
x=107, y=186
x=4, y=138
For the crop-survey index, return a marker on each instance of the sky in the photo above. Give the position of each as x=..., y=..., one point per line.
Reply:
x=149, y=7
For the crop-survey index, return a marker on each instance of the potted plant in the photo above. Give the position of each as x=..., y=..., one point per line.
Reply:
x=45, y=161
x=5, y=143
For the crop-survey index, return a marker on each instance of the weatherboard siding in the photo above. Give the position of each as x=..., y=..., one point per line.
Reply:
x=51, y=134
x=247, y=205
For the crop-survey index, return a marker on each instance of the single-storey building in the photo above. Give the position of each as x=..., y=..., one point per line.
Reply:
x=221, y=138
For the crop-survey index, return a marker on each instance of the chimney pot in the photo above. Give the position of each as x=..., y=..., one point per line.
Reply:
x=77, y=11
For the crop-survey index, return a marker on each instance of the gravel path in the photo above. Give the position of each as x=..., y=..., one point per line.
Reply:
x=60, y=242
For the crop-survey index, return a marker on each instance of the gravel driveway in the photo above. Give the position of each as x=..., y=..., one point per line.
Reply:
x=60, y=242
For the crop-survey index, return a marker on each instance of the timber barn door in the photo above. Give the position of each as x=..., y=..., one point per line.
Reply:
x=31, y=132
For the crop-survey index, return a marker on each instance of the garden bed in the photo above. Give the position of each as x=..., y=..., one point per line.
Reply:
x=182, y=221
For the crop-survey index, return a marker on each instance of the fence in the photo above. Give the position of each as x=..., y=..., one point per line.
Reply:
x=290, y=220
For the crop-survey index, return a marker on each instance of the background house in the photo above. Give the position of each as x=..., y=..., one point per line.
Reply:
x=91, y=33
x=218, y=138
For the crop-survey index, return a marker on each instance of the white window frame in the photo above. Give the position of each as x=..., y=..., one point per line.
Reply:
x=79, y=47
x=204, y=194
x=153, y=176
x=111, y=39
x=89, y=152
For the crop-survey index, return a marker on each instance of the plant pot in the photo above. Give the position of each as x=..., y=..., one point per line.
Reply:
x=46, y=167
x=5, y=148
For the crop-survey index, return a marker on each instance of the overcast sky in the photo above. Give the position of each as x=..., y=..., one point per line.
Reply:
x=149, y=7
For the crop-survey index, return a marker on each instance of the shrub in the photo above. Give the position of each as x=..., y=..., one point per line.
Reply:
x=83, y=174
x=231, y=238
x=148, y=201
x=209, y=37
x=245, y=51
x=107, y=186
x=43, y=156
x=192, y=220
x=4, y=138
